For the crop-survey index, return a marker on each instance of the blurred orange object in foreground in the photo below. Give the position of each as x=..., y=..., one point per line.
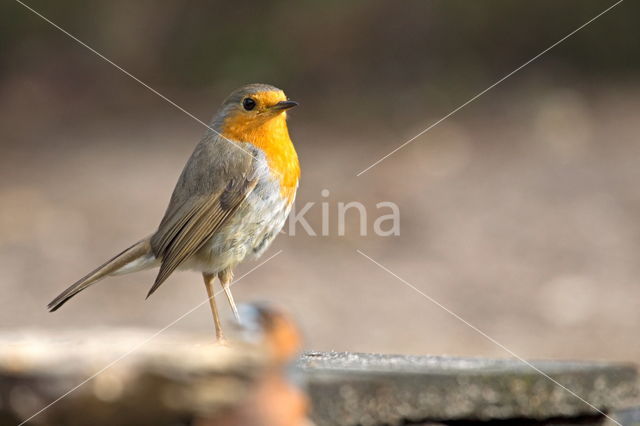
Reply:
x=274, y=400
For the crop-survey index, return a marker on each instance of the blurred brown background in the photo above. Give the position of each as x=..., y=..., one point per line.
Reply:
x=519, y=213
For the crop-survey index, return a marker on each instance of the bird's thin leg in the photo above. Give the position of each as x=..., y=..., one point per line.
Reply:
x=208, y=282
x=226, y=276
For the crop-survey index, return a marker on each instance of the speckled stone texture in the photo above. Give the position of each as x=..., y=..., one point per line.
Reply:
x=374, y=389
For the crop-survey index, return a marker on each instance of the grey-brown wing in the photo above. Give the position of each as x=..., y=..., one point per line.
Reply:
x=209, y=191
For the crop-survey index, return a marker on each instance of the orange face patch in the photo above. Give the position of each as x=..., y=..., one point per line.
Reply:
x=267, y=99
x=267, y=130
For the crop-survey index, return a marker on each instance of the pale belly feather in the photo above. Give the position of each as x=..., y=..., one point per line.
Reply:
x=247, y=234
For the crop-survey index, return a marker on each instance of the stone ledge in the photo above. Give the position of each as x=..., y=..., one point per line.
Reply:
x=371, y=389
x=172, y=379
x=177, y=376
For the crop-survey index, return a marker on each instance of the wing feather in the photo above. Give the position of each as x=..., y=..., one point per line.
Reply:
x=173, y=229
x=206, y=218
x=208, y=193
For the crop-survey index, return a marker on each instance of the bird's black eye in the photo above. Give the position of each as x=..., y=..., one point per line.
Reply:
x=248, y=104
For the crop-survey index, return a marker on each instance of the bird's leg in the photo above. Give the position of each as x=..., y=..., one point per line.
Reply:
x=225, y=277
x=208, y=282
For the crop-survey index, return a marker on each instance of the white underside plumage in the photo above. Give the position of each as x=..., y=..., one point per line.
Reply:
x=245, y=236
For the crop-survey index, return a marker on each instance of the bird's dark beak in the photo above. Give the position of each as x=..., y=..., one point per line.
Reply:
x=284, y=105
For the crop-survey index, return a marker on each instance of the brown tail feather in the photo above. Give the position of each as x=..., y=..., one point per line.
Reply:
x=139, y=249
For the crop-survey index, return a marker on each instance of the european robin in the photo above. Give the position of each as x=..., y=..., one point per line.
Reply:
x=230, y=202
x=274, y=396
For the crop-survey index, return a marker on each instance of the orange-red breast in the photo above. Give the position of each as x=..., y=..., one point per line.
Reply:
x=230, y=202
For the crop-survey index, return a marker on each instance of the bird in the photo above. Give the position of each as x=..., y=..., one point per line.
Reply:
x=230, y=202
x=275, y=393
